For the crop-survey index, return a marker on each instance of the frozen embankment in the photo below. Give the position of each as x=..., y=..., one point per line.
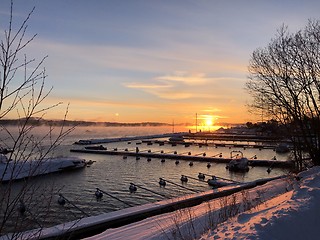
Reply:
x=160, y=219
x=292, y=215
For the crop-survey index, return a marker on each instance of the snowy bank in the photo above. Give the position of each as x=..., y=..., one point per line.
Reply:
x=292, y=215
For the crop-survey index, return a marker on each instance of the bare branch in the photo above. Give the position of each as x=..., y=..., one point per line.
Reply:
x=286, y=75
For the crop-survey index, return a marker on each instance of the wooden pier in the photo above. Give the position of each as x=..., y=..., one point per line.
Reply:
x=199, y=158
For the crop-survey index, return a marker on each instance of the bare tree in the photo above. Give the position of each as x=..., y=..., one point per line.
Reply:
x=22, y=96
x=284, y=82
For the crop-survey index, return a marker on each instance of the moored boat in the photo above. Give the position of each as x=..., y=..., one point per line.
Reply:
x=238, y=162
x=15, y=170
x=238, y=165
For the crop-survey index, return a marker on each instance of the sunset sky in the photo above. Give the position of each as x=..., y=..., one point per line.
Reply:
x=148, y=60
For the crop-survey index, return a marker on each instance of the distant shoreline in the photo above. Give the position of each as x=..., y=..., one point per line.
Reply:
x=43, y=122
x=77, y=123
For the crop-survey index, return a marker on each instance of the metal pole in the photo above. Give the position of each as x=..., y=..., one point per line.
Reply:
x=196, y=122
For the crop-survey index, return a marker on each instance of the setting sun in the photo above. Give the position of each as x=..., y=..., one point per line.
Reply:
x=208, y=121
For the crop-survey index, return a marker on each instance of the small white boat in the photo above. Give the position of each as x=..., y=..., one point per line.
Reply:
x=14, y=170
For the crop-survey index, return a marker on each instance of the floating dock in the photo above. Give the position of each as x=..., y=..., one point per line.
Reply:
x=199, y=158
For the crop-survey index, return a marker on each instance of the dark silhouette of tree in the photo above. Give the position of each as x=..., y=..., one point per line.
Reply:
x=284, y=82
x=22, y=95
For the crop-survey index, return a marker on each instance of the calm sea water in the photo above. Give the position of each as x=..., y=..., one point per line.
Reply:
x=113, y=174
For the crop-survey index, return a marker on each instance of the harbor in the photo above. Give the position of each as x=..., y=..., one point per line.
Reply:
x=156, y=120
x=116, y=165
x=209, y=140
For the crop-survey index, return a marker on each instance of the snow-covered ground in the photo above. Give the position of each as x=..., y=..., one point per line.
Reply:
x=281, y=209
x=292, y=215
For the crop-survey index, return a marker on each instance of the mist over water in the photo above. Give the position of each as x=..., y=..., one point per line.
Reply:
x=113, y=174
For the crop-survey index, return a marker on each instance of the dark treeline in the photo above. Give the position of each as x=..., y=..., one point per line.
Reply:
x=44, y=122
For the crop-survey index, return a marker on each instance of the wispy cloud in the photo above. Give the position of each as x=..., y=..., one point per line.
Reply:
x=147, y=86
x=174, y=86
x=183, y=85
x=211, y=110
x=186, y=78
x=165, y=91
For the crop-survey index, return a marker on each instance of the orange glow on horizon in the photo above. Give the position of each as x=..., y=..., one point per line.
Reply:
x=129, y=112
x=209, y=121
